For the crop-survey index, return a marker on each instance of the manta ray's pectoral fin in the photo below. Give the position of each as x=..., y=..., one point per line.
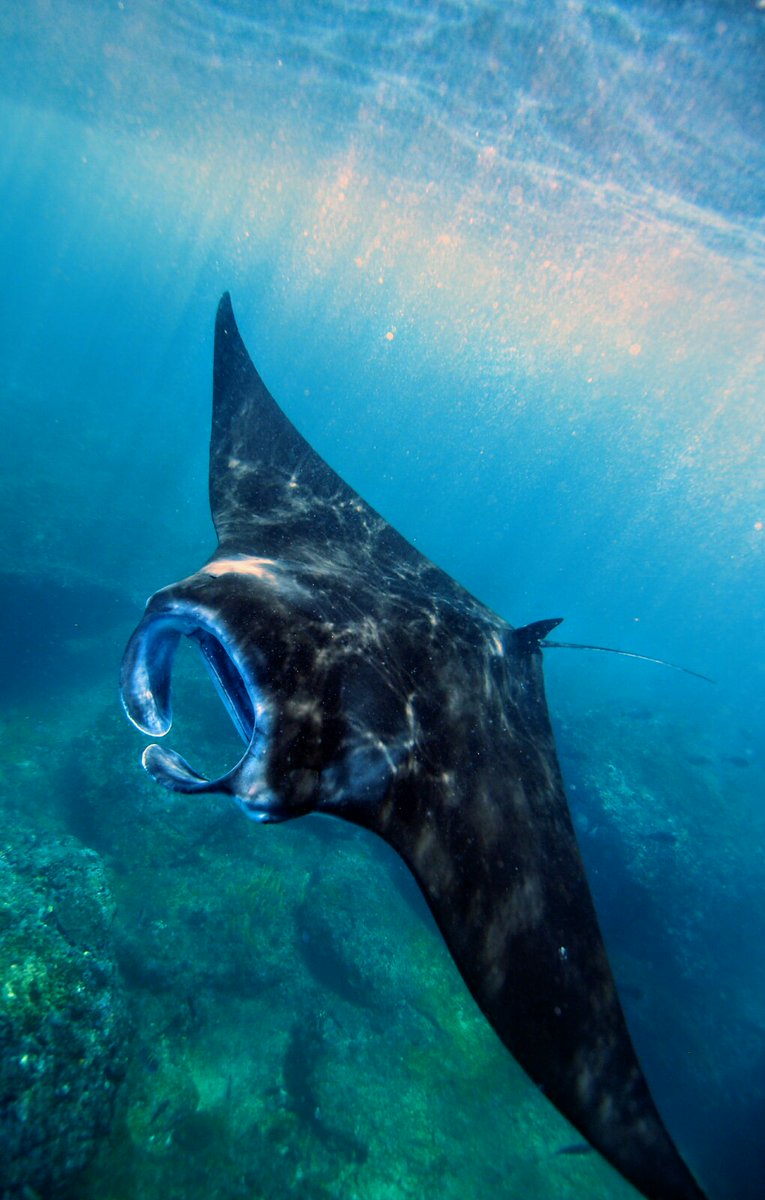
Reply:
x=269, y=489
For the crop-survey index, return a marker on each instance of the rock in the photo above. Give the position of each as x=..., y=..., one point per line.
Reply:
x=63, y=1024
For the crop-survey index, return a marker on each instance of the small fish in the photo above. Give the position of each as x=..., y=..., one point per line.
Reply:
x=736, y=760
x=573, y=1148
x=159, y=1111
x=664, y=836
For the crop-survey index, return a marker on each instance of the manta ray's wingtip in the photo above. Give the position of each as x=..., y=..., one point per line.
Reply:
x=232, y=362
x=225, y=311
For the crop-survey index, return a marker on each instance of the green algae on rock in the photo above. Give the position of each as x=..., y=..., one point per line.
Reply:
x=62, y=1020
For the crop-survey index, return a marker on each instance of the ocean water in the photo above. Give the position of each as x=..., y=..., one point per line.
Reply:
x=503, y=264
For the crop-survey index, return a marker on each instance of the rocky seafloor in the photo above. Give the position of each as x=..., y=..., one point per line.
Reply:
x=192, y=1005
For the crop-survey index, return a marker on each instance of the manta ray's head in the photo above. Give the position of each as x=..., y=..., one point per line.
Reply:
x=321, y=725
x=262, y=645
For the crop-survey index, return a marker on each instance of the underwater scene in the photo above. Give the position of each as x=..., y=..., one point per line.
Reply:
x=502, y=264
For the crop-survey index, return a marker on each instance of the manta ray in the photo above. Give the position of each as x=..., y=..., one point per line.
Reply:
x=368, y=685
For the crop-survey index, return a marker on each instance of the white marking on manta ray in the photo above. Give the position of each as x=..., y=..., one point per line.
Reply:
x=243, y=565
x=238, y=467
x=268, y=570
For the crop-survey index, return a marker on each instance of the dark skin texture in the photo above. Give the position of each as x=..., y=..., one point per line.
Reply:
x=374, y=688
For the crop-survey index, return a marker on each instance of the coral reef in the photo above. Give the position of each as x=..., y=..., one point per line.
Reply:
x=63, y=1022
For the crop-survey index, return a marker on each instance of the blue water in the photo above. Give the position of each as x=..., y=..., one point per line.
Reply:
x=504, y=266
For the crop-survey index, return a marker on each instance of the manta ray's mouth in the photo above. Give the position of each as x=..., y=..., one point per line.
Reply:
x=146, y=694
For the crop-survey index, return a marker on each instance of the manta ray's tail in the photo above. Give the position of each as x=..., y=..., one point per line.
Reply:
x=534, y=637
x=627, y=654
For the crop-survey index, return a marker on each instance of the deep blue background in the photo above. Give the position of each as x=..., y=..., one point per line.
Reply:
x=503, y=266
